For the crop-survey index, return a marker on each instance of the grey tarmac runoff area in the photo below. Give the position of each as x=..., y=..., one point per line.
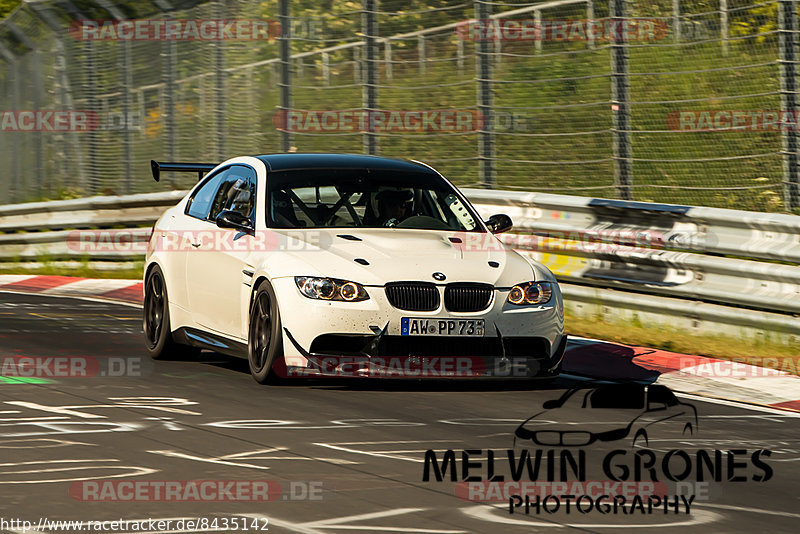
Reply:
x=328, y=456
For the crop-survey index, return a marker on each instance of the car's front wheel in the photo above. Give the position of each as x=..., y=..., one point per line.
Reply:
x=265, y=340
x=155, y=320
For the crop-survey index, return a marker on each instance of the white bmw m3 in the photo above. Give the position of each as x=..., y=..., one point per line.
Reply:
x=345, y=265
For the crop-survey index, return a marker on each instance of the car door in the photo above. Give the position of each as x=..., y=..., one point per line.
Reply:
x=217, y=257
x=179, y=234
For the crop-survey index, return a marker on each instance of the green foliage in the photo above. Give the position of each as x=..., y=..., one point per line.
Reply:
x=7, y=6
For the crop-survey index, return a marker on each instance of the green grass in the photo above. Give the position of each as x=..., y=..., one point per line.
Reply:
x=679, y=341
x=82, y=271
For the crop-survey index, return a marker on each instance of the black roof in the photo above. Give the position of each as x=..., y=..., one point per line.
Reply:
x=286, y=162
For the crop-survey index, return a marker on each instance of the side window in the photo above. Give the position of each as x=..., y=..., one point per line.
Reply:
x=237, y=192
x=200, y=203
x=660, y=397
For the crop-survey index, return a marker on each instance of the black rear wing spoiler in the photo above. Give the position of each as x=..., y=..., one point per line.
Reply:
x=199, y=168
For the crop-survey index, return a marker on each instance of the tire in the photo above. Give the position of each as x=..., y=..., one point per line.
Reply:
x=265, y=335
x=155, y=321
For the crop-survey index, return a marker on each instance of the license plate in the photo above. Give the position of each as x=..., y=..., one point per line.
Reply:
x=414, y=326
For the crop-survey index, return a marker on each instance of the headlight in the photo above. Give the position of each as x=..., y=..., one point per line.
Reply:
x=530, y=293
x=330, y=289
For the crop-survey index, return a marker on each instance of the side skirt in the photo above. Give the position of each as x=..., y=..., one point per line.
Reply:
x=207, y=340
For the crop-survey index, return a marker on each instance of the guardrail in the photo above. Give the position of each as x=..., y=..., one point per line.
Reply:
x=690, y=254
x=660, y=249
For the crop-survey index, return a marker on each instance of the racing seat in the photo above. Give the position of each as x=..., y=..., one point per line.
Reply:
x=283, y=211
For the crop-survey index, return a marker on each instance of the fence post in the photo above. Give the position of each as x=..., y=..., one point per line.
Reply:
x=326, y=68
x=460, y=55
x=787, y=24
x=486, y=147
x=590, y=23
x=423, y=56
x=387, y=59
x=89, y=92
x=369, y=95
x=127, y=142
x=623, y=173
x=170, y=69
x=13, y=98
x=38, y=92
x=676, y=20
x=537, y=26
x=286, y=82
x=220, y=98
x=723, y=25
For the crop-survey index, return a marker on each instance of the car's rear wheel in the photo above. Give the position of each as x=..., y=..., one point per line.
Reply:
x=265, y=340
x=155, y=320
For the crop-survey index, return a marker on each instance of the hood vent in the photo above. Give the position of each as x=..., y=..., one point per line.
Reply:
x=349, y=237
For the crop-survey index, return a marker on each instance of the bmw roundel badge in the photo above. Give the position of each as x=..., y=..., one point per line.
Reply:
x=439, y=276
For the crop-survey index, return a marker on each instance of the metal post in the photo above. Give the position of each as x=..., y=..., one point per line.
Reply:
x=357, y=65
x=498, y=50
x=676, y=20
x=326, y=68
x=723, y=25
x=37, y=79
x=590, y=23
x=483, y=60
x=72, y=146
x=423, y=60
x=285, y=83
x=89, y=92
x=623, y=172
x=127, y=107
x=369, y=25
x=538, y=31
x=787, y=24
x=16, y=155
x=460, y=55
x=387, y=59
x=64, y=144
x=170, y=70
x=38, y=96
x=219, y=93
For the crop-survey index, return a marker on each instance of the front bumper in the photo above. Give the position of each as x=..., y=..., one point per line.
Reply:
x=364, y=339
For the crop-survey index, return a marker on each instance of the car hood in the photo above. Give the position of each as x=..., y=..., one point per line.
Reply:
x=400, y=254
x=579, y=419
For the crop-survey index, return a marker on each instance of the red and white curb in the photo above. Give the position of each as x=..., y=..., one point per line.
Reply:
x=122, y=291
x=766, y=385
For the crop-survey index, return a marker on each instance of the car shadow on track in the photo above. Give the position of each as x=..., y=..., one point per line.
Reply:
x=392, y=384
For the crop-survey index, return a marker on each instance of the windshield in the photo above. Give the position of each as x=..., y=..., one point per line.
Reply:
x=344, y=198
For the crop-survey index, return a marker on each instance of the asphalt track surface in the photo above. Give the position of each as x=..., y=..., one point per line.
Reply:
x=346, y=455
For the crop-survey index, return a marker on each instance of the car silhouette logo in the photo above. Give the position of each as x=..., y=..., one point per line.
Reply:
x=439, y=276
x=609, y=413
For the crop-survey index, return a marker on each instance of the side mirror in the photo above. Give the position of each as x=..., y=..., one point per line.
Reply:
x=551, y=404
x=499, y=223
x=235, y=220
